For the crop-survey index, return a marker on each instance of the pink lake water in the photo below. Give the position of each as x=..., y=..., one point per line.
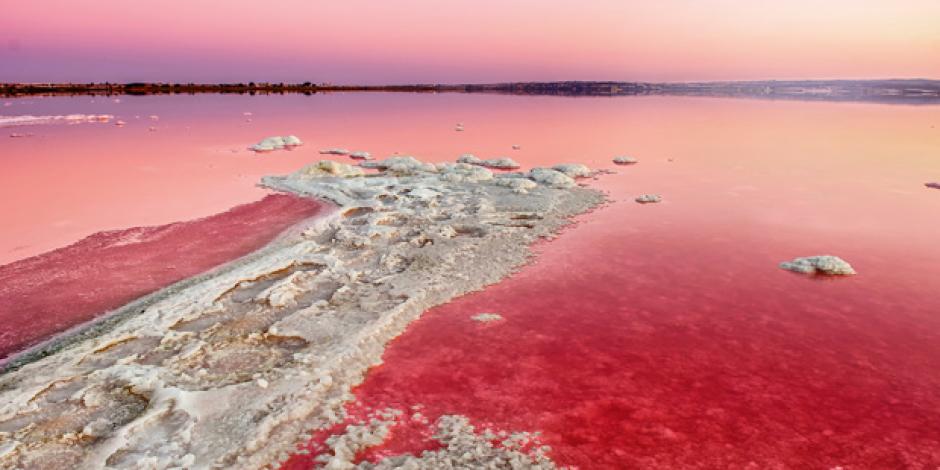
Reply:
x=647, y=336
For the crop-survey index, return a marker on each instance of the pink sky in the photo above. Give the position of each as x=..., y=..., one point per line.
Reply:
x=372, y=41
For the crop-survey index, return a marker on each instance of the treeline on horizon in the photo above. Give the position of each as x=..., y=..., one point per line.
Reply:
x=898, y=90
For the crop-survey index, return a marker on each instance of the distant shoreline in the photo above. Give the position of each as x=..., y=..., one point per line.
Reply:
x=902, y=91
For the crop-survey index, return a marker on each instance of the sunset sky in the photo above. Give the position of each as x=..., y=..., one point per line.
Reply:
x=407, y=41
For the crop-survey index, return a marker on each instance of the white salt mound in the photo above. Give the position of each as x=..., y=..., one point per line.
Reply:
x=487, y=317
x=334, y=151
x=469, y=159
x=573, y=170
x=649, y=198
x=276, y=142
x=329, y=168
x=823, y=264
x=502, y=163
x=551, y=178
x=625, y=160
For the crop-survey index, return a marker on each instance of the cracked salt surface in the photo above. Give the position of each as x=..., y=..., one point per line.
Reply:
x=230, y=370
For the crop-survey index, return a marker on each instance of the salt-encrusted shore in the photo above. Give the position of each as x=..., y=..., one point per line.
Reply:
x=231, y=371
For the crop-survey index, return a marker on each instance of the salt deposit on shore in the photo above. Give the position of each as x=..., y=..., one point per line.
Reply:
x=230, y=371
x=501, y=163
x=29, y=120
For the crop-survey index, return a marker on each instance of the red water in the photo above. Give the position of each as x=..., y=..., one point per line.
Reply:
x=659, y=335
x=665, y=336
x=49, y=293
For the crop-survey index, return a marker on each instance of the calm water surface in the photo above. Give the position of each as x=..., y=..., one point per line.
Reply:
x=648, y=335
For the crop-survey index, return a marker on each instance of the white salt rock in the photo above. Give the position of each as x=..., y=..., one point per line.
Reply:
x=487, y=317
x=625, y=160
x=822, y=264
x=335, y=151
x=649, y=198
x=573, y=170
x=276, y=142
x=551, y=178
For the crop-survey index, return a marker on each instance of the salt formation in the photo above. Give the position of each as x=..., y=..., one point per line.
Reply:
x=932, y=185
x=275, y=143
x=573, y=170
x=823, y=264
x=516, y=147
x=550, y=177
x=649, y=198
x=502, y=163
x=29, y=120
x=361, y=155
x=487, y=317
x=625, y=160
x=231, y=368
x=334, y=151
x=461, y=446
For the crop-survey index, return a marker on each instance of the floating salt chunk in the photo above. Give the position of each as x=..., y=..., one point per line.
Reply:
x=822, y=264
x=154, y=117
x=334, y=151
x=276, y=142
x=119, y=123
x=459, y=127
x=933, y=185
x=516, y=147
x=649, y=198
x=247, y=113
x=487, y=317
x=16, y=134
x=361, y=155
x=625, y=160
x=152, y=129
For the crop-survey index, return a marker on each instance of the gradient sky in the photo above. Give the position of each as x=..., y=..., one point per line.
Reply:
x=407, y=41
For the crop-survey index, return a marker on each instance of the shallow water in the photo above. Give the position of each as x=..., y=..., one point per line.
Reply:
x=647, y=335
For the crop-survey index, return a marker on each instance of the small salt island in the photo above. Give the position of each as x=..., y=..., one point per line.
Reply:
x=822, y=264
